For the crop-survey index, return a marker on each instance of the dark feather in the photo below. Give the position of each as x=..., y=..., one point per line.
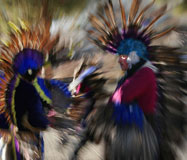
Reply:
x=97, y=24
x=123, y=16
x=97, y=43
x=162, y=33
x=161, y=13
x=152, y=23
x=143, y=11
x=105, y=21
x=133, y=10
x=110, y=14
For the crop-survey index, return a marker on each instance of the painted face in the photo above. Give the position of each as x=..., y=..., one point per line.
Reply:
x=123, y=62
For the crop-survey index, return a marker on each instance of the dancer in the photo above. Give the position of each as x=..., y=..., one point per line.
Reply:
x=88, y=91
x=23, y=100
x=127, y=122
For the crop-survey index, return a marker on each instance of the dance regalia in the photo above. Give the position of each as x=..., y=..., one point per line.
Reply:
x=23, y=94
x=127, y=122
x=87, y=89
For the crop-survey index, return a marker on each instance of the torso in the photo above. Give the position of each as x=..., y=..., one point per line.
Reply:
x=131, y=90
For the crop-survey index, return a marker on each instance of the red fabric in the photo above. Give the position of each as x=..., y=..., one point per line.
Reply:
x=140, y=87
x=86, y=89
x=78, y=88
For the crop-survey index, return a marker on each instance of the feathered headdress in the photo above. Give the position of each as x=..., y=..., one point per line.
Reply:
x=27, y=51
x=135, y=34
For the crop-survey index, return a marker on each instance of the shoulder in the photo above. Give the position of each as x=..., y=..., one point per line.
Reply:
x=26, y=88
x=144, y=74
x=145, y=71
x=24, y=84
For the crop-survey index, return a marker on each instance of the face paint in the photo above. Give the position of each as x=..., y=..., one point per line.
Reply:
x=123, y=62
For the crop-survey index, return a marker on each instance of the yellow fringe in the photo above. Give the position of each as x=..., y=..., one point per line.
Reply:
x=41, y=92
x=14, y=117
x=14, y=27
x=13, y=100
x=13, y=144
x=23, y=24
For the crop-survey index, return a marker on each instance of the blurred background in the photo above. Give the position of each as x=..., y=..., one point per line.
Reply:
x=70, y=19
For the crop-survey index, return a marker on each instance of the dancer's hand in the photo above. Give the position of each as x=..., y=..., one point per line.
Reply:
x=51, y=113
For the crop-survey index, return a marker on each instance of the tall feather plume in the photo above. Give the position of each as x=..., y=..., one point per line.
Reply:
x=158, y=35
x=123, y=16
x=139, y=17
x=110, y=14
x=97, y=42
x=101, y=38
x=133, y=10
x=98, y=24
x=161, y=13
x=111, y=11
x=107, y=23
x=109, y=40
x=157, y=12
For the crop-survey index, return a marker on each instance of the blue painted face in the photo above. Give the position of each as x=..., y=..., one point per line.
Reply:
x=128, y=45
